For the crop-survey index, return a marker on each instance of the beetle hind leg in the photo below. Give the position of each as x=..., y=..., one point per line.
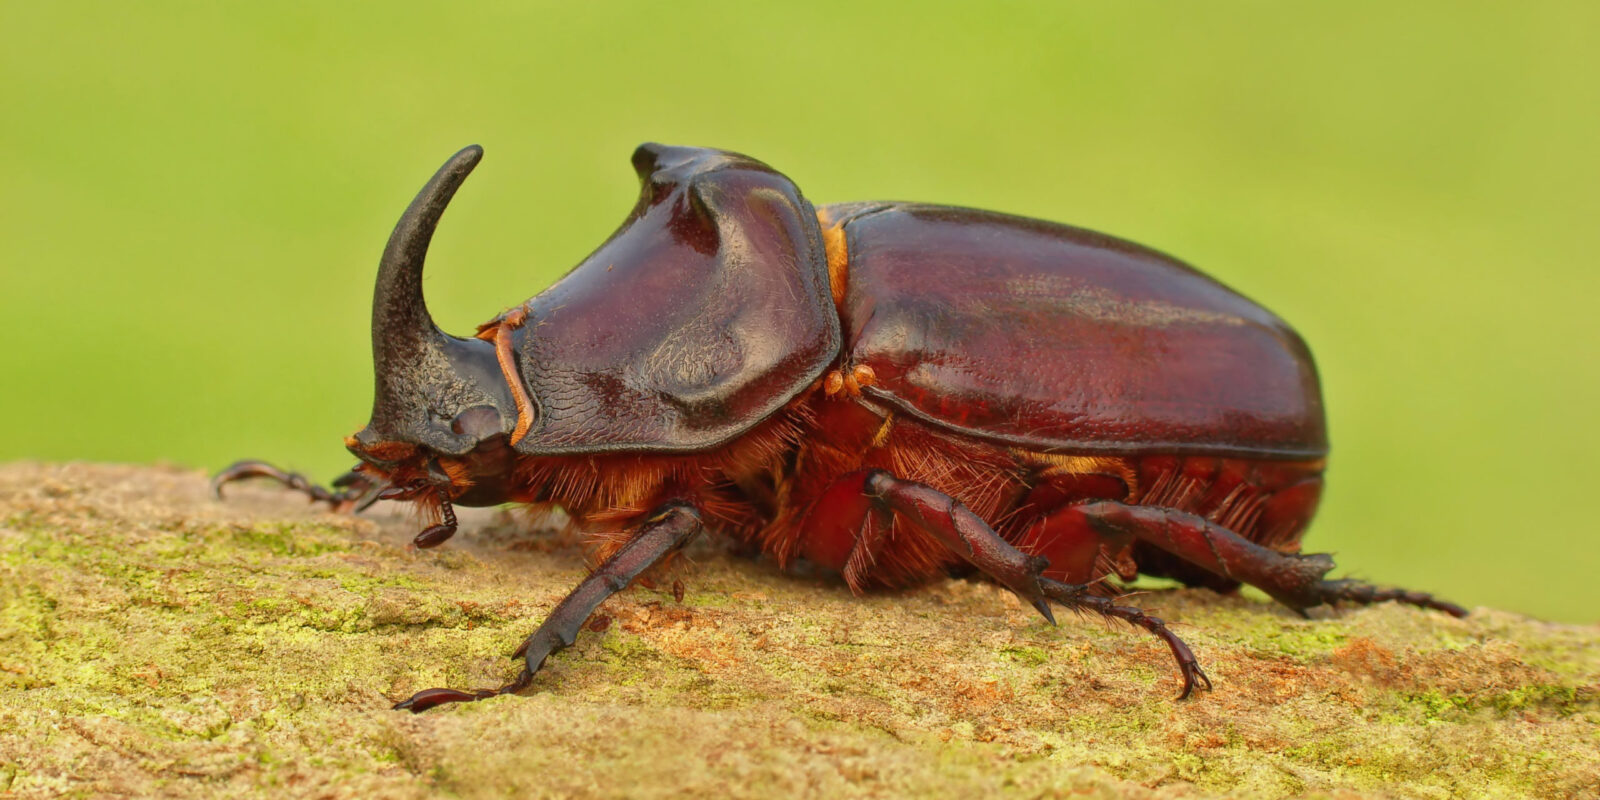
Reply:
x=1077, y=596
x=967, y=535
x=1294, y=579
x=1353, y=591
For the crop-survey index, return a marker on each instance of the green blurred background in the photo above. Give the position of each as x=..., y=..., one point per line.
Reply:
x=193, y=197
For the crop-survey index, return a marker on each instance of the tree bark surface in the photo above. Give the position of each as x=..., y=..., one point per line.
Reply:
x=154, y=641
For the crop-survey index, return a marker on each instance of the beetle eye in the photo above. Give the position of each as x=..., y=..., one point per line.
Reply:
x=479, y=422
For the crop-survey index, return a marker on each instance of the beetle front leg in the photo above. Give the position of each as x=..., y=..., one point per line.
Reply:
x=967, y=535
x=351, y=491
x=663, y=533
x=1296, y=580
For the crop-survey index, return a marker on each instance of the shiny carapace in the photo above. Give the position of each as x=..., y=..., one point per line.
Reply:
x=893, y=391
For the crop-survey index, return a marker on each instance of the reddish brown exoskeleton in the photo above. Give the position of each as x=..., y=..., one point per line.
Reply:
x=888, y=390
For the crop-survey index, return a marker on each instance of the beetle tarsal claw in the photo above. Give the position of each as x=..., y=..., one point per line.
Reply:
x=1078, y=596
x=1362, y=593
x=1043, y=606
x=433, y=698
x=353, y=487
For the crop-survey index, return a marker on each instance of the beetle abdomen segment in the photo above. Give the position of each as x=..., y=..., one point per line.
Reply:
x=1028, y=497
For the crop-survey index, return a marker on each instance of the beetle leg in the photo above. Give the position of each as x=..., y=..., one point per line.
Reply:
x=1294, y=579
x=1366, y=594
x=1075, y=595
x=663, y=533
x=352, y=490
x=967, y=535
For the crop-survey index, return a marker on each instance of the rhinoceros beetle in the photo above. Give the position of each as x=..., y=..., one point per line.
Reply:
x=887, y=390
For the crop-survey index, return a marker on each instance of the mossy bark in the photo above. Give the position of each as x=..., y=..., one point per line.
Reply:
x=154, y=641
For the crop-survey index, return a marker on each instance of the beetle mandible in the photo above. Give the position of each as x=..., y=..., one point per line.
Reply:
x=887, y=390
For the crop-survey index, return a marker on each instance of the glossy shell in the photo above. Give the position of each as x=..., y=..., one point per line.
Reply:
x=705, y=313
x=1054, y=338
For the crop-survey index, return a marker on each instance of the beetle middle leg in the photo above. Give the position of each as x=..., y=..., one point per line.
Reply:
x=663, y=533
x=1296, y=580
x=968, y=536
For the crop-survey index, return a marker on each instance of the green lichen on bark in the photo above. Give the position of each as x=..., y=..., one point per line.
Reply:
x=153, y=641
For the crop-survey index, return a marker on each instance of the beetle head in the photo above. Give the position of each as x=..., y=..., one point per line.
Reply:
x=437, y=396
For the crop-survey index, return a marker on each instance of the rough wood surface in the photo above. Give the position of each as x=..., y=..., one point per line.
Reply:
x=156, y=642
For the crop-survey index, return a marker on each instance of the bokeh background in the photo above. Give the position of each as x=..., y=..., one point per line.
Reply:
x=193, y=197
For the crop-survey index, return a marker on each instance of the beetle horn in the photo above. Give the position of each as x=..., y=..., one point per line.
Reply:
x=401, y=325
x=426, y=378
